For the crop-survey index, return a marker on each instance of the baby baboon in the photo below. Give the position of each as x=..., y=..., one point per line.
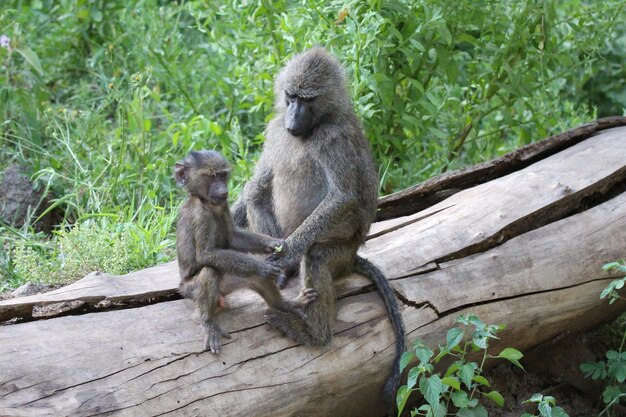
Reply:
x=315, y=184
x=207, y=243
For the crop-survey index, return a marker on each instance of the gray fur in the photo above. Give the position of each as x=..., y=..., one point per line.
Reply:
x=319, y=191
x=209, y=247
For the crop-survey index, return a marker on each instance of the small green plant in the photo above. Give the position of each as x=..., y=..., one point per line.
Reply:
x=613, y=369
x=462, y=386
x=546, y=405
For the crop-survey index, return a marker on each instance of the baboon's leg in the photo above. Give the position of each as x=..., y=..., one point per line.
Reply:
x=321, y=264
x=207, y=301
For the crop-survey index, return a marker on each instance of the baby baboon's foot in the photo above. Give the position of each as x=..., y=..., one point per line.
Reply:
x=278, y=320
x=291, y=326
x=213, y=338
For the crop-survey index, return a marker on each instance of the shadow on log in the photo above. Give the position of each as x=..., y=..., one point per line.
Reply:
x=522, y=247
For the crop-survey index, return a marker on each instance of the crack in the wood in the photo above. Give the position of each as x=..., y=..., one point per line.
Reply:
x=572, y=204
x=56, y=391
x=184, y=375
x=526, y=294
x=362, y=323
x=406, y=223
x=222, y=393
x=265, y=355
x=419, y=306
x=19, y=389
x=90, y=304
x=180, y=358
x=418, y=270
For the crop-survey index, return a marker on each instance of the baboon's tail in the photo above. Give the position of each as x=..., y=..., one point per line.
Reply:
x=366, y=268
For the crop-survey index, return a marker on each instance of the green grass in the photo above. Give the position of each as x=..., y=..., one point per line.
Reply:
x=98, y=98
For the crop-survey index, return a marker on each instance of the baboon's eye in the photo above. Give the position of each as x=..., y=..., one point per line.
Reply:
x=308, y=99
x=291, y=97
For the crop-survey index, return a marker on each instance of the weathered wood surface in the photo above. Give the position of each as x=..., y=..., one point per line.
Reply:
x=525, y=250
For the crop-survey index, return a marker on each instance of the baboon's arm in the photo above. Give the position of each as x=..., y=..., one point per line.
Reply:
x=336, y=206
x=244, y=240
x=258, y=193
x=230, y=261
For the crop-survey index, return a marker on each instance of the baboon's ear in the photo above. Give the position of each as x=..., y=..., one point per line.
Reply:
x=181, y=173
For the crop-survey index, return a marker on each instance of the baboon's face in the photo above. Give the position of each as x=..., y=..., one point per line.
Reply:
x=204, y=174
x=299, y=114
x=310, y=91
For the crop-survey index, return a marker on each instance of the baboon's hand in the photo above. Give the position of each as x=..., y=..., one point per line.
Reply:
x=281, y=280
x=281, y=259
x=269, y=270
x=276, y=246
x=307, y=296
x=284, y=264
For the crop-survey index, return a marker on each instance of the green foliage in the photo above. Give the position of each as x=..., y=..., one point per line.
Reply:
x=100, y=98
x=617, y=284
x=546, y=405
x=101, y=243
x=462, y=386
x=613, y=369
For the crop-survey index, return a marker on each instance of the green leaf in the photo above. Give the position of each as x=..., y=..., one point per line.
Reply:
x=610, y=265
x=431, y=388
x=496, y=397
x=441, y=410
x=405, y=359
x=423, y=353
x=478, y=411
x=610, y=393
x=512, y=355
x=401, y=397
x=459, y=399
x=454, y=337
x=451, y=382
x=466, y=373
x=544, y=409
x=30, y=57
x=452, y=369
x=215, y=128
x=443, y=352
x=412, y=377
x=481, y=380
x=559, y=412
x=620, y=372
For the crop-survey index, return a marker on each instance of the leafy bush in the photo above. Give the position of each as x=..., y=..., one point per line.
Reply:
x=613, y=369
x=462, y=386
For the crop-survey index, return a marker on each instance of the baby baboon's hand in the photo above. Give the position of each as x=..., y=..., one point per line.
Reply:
x=307, y=296
x=269, y=270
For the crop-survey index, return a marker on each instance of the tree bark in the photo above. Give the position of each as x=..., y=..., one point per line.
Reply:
x=523, y=247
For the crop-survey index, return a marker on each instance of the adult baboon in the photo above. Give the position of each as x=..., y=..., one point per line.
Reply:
x=207, y=243
x=315, y=184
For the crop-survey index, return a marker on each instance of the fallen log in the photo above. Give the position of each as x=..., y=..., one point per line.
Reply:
x=524, y=248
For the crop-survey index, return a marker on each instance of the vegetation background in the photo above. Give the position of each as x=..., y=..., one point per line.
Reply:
x=99, y=98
